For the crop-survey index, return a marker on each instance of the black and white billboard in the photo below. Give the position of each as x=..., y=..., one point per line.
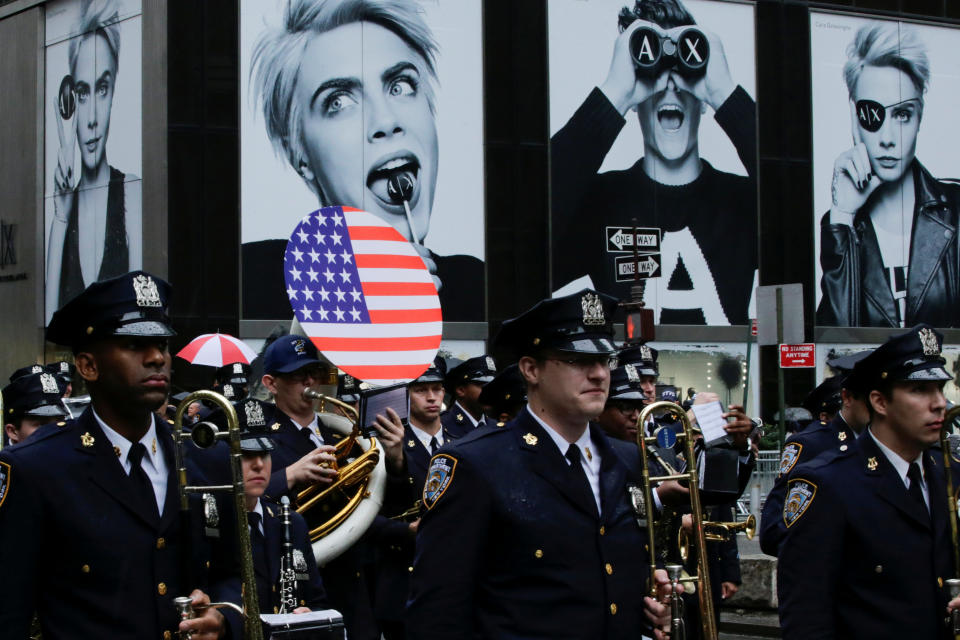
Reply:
x=93, y=144
x=887, y=205
x=375, y=105
x=653, y=123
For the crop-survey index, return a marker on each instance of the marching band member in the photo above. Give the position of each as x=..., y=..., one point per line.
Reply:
x=547, y=542
x=89, y=517
x=266, y=541
x=31, y=401
x=838, y=576
x=465, y=383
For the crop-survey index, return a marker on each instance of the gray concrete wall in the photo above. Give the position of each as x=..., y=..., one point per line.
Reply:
x=21, y=190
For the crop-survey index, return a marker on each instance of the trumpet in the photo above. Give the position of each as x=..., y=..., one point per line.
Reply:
x=205, y=435
x=716, y=532
x=691, y=474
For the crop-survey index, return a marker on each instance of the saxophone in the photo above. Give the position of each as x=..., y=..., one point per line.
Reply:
x=288, y=574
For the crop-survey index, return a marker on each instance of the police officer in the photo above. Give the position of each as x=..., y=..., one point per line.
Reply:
x=839, y=434
x=547, y=542
x=266, y=540
x=89, y=518
x=304, y=455
x=632, y=385
x=64, y=371
x=867, y=545
x=233, y=381
x=423, y=436
x=30, y=402
x=503, y=397
x=464, y=382
x=825, y=399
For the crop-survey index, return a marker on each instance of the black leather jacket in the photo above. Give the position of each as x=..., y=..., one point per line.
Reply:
x=854, y=285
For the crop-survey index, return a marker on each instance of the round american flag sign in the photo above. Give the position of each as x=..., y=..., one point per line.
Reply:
x=363, y=295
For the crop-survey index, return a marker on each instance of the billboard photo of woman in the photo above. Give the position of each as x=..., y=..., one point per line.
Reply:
x=888, y=249
x=94, y=225
x=373, y=104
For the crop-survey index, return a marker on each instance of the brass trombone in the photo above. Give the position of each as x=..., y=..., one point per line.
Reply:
x=702, y=577
x=205, y=435
x=953, y=584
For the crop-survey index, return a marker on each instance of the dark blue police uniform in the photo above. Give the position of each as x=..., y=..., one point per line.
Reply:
x=91, y=554
x=533, y=556
x=394, y=544
x=478, y=370
x=863, y=559
x=310, y=590
x=532, y=559
x=863, y=556
x=87, y=555
x=835, y=435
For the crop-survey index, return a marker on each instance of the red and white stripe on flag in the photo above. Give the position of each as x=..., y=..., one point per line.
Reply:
x=363, y=294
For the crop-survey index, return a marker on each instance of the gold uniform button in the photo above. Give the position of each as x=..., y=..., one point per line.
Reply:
x=167, y=635
x=162, y=589
x=410, y=569
x=878, y=568
x=609, y=568
x=85, y=568
x=603, y=530
x=939, y=581
x=161, y=543
x=613, y=608
x=538, y=553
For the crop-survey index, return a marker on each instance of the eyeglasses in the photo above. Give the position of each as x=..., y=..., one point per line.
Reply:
x=585, y=363
x=300, y=376
x=627, y=408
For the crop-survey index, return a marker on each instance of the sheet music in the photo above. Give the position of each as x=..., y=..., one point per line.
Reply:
x=711, y=420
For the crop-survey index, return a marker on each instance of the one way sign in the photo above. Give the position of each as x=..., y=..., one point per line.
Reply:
x=621, y=239
x=647, y=266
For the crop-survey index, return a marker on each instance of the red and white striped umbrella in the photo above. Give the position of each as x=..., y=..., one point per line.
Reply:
x=217, y=350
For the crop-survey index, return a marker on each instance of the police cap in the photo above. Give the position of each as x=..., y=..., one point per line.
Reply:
x=133, y=304
x=36, y=395
x=436, y=372
x=912, y=355
x=480, y=369
x=578, y=323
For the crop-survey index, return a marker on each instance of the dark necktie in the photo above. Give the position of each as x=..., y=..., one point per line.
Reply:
x=433, y=445
x=257, y=542
x=580, y=476
x=916, y=480
x=141, y=483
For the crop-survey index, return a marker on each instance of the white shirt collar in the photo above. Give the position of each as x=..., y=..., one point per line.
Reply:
x=589, y=456
x=425, y=437
x=901, y=465
x=312, y=429
x=259, y=511
x=583, y=442
x=149, y=440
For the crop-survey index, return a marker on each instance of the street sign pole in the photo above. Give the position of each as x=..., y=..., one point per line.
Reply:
x=780, y=383
x=746, y=368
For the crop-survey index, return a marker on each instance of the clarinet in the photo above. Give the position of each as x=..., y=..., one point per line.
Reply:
x=288, y=575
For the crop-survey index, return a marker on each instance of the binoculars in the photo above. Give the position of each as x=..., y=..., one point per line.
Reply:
x=654, y=53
